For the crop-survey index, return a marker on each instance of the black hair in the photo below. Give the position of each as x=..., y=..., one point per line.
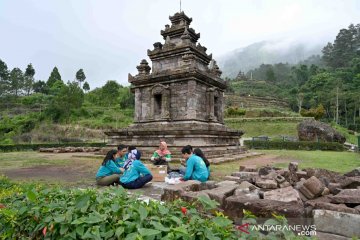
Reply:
x=121, y=147
x=109, y=156
x=187, y=149
x=189, y=146
x=198, y=152
x=138, y=155
x=131, y=148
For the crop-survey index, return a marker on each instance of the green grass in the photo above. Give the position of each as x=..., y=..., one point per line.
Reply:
x=349, y=137
x=336, y=161
x=268, y=128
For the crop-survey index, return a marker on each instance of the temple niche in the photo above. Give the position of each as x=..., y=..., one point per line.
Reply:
x=180, y=97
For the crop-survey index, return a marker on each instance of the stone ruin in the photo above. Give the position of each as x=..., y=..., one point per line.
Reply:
x=182, y=99
x=312, y=130
x=327, y=199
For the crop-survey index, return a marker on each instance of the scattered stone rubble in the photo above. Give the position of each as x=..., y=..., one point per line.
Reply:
x=70, y=149
x=328, y=198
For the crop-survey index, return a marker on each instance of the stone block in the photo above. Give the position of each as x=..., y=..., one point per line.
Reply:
x=173, y=192
x=280, y=179
x=265, y=170
x=293, y=166
x=350, y=182
x=284, y=184
x=312, y=188
x=261, y=207
x=336, y=207
x=288, y=194
x=328, y=236
x=345, y=224
x=313, y=202
x=270, y=175
x=219, y=194
x=232, y=178
x=325, y=192
x=226, y=183
x=266, y=183
x=247, y=185
x=192, y=196
x=247, y=193
x=208, y=185
x=301, y=174
x=351, y=196
x=334, y=188
x=331, y=176
x=248, y=168
x=245, y=176
x=353, y=173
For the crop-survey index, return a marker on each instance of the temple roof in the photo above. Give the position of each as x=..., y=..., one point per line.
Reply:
x=179, y=21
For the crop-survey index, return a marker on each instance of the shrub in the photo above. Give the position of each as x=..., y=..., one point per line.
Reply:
x=37, y=212
x=316, y=113
x=301, y=145
x=35, y=147
x=234, y=112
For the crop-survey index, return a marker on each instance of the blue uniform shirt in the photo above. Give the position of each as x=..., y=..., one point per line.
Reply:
x=120, y=161
x=196, y=169
x=134, y=171
x=107, y=170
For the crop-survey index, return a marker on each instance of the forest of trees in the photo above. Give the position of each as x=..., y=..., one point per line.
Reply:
x=25, y=102
x=331, y=80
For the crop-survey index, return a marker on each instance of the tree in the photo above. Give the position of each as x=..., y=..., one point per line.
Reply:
x=270, y=75
x=110, y=93
x=4, y=78
x=86, y=87
x=80, y=76
x=344, y=49
x=301, y=74
x=40, y=87
x=72, y=95
x=54, y=76
x=29, y=79
x=127, y=99
x=16, y=81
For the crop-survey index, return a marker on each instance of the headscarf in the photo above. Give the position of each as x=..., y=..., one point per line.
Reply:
x=132, y=156
x=163, y=152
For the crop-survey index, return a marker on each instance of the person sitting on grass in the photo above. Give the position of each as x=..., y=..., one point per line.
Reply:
x=136, y=175
x=195, y=166
x=121, y=155
x=161, y=156
x=108, y=173
x=198, y=152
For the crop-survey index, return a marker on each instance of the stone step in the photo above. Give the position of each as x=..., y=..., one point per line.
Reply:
x=234, y=157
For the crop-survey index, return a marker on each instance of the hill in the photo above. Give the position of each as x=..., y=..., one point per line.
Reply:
x=265, y=52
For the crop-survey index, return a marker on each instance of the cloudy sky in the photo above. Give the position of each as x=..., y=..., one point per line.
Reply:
x=108, y=38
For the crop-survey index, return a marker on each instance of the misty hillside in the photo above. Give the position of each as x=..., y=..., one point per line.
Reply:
x=266, y=52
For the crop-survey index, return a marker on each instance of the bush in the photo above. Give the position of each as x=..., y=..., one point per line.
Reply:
x=234, y=112
x=35, y=147
x=316, y=113
x=37, y=212
x=302, y=145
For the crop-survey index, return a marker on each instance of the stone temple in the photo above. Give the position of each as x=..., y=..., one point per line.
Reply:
x=180, y=98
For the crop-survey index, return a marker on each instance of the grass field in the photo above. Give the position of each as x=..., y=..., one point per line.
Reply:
x=336, y=161
x=268, y=128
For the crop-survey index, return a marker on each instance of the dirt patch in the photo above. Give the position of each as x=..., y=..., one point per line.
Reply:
x=264, y=160
x=61, y=173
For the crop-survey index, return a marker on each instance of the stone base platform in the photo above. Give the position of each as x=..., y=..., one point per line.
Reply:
x=176, y=134
x=217, y=141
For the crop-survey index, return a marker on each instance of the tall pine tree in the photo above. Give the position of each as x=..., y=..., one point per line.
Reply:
x=54, y=76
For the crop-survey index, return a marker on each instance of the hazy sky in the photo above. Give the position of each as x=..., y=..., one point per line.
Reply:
x=108, y=38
